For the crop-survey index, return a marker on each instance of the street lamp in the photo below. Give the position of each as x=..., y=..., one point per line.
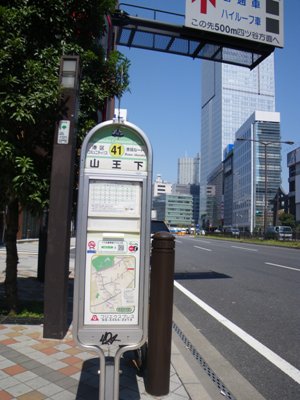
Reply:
x=69, y=72
x=265, y=143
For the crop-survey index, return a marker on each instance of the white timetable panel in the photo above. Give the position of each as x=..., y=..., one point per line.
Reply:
x=116, y=199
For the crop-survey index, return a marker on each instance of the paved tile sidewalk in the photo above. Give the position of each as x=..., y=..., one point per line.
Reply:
x=33, y=368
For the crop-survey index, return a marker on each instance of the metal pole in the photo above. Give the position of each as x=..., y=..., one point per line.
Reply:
x=160, y=315
x=61, y=190
x=109, y=378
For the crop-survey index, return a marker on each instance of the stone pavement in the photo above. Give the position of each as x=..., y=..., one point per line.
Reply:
x=35, y=368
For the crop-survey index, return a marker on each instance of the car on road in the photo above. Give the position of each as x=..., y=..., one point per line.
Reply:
x=279, y=233
x=234, y=232
x=158, y=226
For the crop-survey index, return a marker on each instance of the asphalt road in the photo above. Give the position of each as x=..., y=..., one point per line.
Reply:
x=248, y=308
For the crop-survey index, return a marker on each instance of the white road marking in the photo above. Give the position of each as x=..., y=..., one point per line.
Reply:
x=282, y=266
x=202, y=248
x=201, y=240
x=244, y=248
x=274, y=358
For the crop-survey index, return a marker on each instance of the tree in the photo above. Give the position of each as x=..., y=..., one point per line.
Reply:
x=287, y=219
x=34, y=34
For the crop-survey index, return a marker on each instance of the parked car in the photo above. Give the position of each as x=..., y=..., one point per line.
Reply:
x=279, y=233
x=158, y=226
x=235, y=232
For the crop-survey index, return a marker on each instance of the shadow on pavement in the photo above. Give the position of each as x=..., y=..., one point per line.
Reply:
x=199, y=275
x=88, y=387
x=30, y=293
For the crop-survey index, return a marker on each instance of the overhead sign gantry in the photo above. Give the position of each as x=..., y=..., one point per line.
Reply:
x=255, y=21
x=238, y=32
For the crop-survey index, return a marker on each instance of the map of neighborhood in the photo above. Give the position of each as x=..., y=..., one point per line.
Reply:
x=113, y=284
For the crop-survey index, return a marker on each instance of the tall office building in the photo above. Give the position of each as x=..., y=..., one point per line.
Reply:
x=293, y=163
x=256, y=171
x=188, y=170
x=230, y=94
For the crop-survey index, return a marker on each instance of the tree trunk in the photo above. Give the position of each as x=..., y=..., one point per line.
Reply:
x=10, y=284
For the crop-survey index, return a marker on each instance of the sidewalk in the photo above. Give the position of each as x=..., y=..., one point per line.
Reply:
x=34, y=368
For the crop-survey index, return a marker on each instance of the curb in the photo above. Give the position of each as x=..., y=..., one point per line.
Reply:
x=218, y=376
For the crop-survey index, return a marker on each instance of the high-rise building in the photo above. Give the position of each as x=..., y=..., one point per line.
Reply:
x=215, y=204
x=293, y=163
x=188, y=170
x=256, y=171
x=230, y=94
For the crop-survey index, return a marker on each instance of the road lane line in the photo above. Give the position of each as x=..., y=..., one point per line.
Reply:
x=201, y=240
x=202, y=248
x=274, y=358
x=243, y=248
x=282, y=266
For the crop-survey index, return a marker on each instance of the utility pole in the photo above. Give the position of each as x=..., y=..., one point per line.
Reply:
x=59, y=224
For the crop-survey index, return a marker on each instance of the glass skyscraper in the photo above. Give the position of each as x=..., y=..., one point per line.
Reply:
x=230, y=94
x=256, y=171
x=188, y=170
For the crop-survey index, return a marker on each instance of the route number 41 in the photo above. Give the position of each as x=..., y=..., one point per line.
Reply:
x=116, y=150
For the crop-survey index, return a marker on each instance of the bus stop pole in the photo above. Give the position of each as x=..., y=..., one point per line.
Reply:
x=158, y=362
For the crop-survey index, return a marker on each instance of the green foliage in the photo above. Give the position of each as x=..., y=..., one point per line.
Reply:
x=287, y=220
x=33, y=35
x=26, y=309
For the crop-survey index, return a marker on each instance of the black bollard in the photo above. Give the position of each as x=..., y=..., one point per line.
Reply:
x=158, y=364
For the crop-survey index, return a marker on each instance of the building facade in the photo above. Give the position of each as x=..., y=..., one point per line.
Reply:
x=174, y=209
x=230, y=94
x=194, y=191
x=161, y=187
x=256, y=171
x=215, y=205
x=188, y=170
x=293, y=163
x=228, y=187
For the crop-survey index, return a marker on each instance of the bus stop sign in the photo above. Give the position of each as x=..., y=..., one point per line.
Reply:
x=113, y=237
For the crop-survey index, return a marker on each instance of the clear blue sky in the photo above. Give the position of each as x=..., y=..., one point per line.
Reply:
x=165, y=90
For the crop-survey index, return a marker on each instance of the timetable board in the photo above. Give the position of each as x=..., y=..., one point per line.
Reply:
x=117, y=199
